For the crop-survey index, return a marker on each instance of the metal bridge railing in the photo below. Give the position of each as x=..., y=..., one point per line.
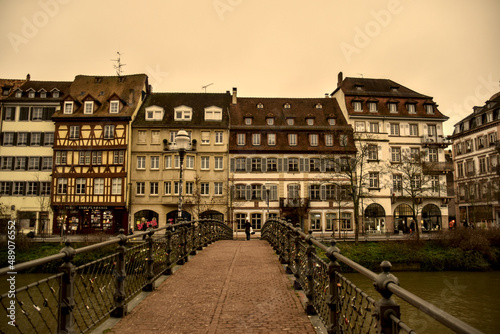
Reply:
x=341, y=306
x=64, y=298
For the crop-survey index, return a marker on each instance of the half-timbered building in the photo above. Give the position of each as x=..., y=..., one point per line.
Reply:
x=91, y=155
x=156, y=162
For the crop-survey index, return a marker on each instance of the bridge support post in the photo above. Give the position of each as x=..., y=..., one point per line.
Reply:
x=65, y=316
x=309, y=275
x=386, y=306
x=333, y=290
x=168, y=252
x=120, y=309
x=193, y=239
x=150, y=284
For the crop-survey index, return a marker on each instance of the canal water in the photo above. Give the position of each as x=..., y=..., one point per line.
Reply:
x=472, y=297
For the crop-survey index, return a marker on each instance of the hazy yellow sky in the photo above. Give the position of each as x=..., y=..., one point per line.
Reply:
x=447, y=49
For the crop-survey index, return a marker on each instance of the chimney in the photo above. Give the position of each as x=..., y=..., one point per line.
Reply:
x=28, y=77
x=235, y=99
x=339, y=79
x=327, y=95
x=131, y=97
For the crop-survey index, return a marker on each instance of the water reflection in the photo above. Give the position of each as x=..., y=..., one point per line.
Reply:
x=470, y=296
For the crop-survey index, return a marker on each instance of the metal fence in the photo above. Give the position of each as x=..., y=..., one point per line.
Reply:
x=341, y=306
x=61, y=297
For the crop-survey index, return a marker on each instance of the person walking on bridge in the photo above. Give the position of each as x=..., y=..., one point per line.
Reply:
x=247, y=229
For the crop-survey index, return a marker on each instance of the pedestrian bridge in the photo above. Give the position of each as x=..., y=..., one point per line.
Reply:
x=199, y=279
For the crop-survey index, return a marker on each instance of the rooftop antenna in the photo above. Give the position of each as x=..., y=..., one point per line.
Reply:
x=361, y=75
x=205, y=87
x=119, y=65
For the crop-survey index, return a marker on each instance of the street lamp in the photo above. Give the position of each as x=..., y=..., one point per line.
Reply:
x=182, y=142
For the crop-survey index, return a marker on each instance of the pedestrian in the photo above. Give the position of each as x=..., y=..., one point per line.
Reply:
x=247, y=229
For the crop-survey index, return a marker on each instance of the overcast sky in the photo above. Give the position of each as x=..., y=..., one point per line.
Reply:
x=447, y=49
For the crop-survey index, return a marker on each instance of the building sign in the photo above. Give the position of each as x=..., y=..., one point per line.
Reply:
x=91, y=207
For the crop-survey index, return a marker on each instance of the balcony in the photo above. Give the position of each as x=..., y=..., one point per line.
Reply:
x=294, y=202
x=435, y=141
x=439, y=167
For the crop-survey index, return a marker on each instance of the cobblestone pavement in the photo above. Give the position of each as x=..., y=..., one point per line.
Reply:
x=229, y=287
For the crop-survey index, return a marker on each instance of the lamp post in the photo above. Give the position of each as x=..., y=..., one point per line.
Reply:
x=182, y=143
x=267, y=200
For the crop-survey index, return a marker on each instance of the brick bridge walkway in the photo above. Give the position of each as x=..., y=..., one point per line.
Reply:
x=229, y=287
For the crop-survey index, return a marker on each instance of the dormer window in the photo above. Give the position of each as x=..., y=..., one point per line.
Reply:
x=248, y=120
x=372, y=106
x=68, y=107
x=319, y=106
x=331, y=121
x=31, y=94
x=5, y=91
x=154, y=113
x=357, y=106
x=290, y=121
x=287, y=106
x=310, y=121
x=260, y=106
x=429, y=108
x=183, y=113
x=358, y=86
x=270, y=121
x=213, y=113
x=55, y=94
x=393, y=108
x=19, y=93
x=43, y=94
x=114, y=107
x=411, y=108
x=394, y=88
x=88, y=107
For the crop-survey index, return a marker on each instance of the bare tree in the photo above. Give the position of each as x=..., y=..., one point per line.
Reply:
x=200, y=203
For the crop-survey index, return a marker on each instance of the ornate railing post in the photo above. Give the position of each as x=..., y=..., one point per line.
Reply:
x=296, y=260
x=200, y=235
x=168, y=251
x=65, y=317
x=289, y=238
x=205, y=233
x=182, y=246
x=309, y=275
x=120, y=273
x=333, y=290
x=193, y=239
x=386, y=306
x=150, y=285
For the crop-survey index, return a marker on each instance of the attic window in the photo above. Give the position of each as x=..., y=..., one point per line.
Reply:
x=290, y=121
x=97, y=79
x=183, y=113
x=310, y=121
x=88, y=107
x=331, y=121
x=429, y=108
x=213, y=113
x=260, y=106
x=43, y=95
x=394, y=88
x=358, y=86
x=319, y=106
x=154, y=113
x=411, y=108
x=19, y=93
x=31, y=94
x=5, y=91
x=248, y=120
x=55, y=94
x=287, y=106
x=122, y=79
x=270, y=120
x=68, y=107
x=393, y=107
x=114, y=107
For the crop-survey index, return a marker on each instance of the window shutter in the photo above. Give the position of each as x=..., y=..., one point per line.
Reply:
x=24, y=114
x=28, y=139
x=249, y=164
x=285, y=164
x=263, y=165
x=322, y=193
x=337, y=165
x=307, y=165
x=322, y=165
x=280, y=164
x=273, y=194
x=233, y=165
x=248, y=192
x=301, y=165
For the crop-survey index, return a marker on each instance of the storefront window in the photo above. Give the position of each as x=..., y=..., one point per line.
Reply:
x=107, y=219
x=315, y=221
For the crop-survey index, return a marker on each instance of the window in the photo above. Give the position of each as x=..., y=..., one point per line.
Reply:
x=329, y=140
x=46, y=163
x=411, y=108
x=205, y=137
x=346, y=221
x=141, y=162
x=48, y=139
x=80, y=186
x=182, y=113
x=314, y=192
x=31, y=94
x=5, y=188
x=330, y=221
x=218, y=163
x=415, y=182
x=189, y=162
x=359, y=126
x=431, y=130
x=393, y=108
x=88, y=107
x=18, y=188
x=482, y=165
x=168, y=161
x=293, y=164
x=140, y=188
x=372, y=106
x=331, y=121
x=435, y=184
x=7, y=163
x=168, y=187
x=313, y=139
x=240, y=191
x=155, y=162
x=99, y=186
x=343, y=140
x=62, y=186
x=84, y=158
x=271, y=139
x=395, y=129
x=35, y=138
x=114, y=107
x=395, y=154
x=37, y=114
x=429, y=108
x=397, y=182
x=44, y=188
x=218, y=188
x=68, y=107
x=20, y=163
x=176, y=187
x=109, y=131
x=314, y=165
x=256, y=139
x=155, y=137
x=205, y=188
x=293, y=191
x=272, y=164
x=22, y=138
x=154, y=114
x=189, y=188
x=256, y=192
x=61, y=157
x=415, y=154
x=153, y=188
x=34, y=163
x=256, y=164
x=471, y=167
x=357, y=106
x=460, y=168
x=372, y=152
x=413, y=129
x=373, y=178
x=310, y=121
x=97, y=158
x=9, y=114
x=219, y=137
x=248, y=120
x=286, y=106
x=290, y=121
x=315, y=221
x=292, y=139
x=270, y=120
x=213, y=114
x=116, y=186
x=241, y=139
x=241, y=164
x=433, y=155
x=141, y=137
x=374, y=128
x=74, y=132
x=205, y=162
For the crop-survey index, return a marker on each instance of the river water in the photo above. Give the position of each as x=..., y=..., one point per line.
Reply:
x=472, y=297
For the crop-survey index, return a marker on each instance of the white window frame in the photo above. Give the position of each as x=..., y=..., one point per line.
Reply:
x=219, y=137
x=372, y=106
x=114, y=107
x=218, y=188
x=155, y=162
x=213, y=113
x=240, y=139
x=205, y=163
x=271, y=139
x=218, y=163
x=255, y=139
x=168, y=162
x=394, y=129
x=88, y=107
x=328, y=139
x=292, y=139
x=313, y=139
x=357, y=106
x=68, y=107
x=183, y=113
x=141, y=162
x=140, y=188
x=412, y=108
x=80, y=186
x=393, y=107
x=109, y=132
x=116, y=186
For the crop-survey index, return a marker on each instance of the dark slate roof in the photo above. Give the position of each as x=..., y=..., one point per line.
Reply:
x=48, y=86
x=129, y=88
x=377, y=87
x=493, y=103
x=10, y=84
x=197, y=101
x=300, y=109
